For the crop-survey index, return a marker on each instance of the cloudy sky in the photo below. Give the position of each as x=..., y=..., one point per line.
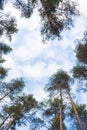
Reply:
x=36, y=61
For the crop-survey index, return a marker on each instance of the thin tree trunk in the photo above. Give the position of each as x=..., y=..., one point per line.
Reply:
x=54, y=121
x=61, y=122
x=5, y=95
x=4, y=120
x=54, y=126
x=11, y=123
x=74, y=107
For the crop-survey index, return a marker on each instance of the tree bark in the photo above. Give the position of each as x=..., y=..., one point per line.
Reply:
x=46, y=10
x=11, y=122
x=5, y=95
x=61, y=122
x=54, y=121
x=74, y=107
x=54, y=127
x=4, y=120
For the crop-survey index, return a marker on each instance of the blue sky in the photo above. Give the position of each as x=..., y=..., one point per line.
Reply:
x=35, y=61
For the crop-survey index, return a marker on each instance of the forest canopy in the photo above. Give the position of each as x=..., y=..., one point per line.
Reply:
x=42, y=86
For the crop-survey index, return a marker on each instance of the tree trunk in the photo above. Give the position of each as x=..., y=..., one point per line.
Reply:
x=61, y=122
x=54, y=126
x=4, y=120
x=54, y=121
x=11, y=123
x=74, y=107
x=5, y=95
x=47, y=10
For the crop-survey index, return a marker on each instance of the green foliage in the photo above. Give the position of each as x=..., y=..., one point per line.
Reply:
x=60, y=79
x=53, y=2
x=8, y=26
x=80, y=72
x=81, y=49
x=3, y=72
x=12, y=109
x=52, y=113
x=50, y=6
x=53, y=107
x=11, y=89
x=56, y=124
x=26, y=8
x=14, y=87
x=81, y=110
x=28, y=102
x=55, y=15
x=17, y=84
x=2, y=60
x=59, y=82
x=5, y=48
x=81, y=52
x=20, y=109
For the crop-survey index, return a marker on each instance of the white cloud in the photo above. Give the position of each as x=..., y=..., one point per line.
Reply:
x=33, y=71
x=36, y=61
x=39, y=93
x=29, y=48
x=33, y=59
x=13, y=69
x=82, y=6
x=39, y=70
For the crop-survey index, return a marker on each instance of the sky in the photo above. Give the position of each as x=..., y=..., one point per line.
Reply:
x=35, y=61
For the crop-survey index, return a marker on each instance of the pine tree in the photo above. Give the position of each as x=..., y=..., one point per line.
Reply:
x=57, y=83
x=81, y=108
x=18, y=112
x=81, y=54
x=12, y=89
x=8, y=25
x=19, y=107
x=56, y=15
x=4, y=49
x=80, y=70
x=52, y=114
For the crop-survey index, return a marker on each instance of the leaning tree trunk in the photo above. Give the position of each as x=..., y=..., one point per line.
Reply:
x=54, y=122
x=11, y=122
x=5, y=95
x=74, y=107
x=47, y=11
x=4, y=120
x=61, y=122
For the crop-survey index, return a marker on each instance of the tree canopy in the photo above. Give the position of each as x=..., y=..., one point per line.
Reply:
x=56, y=15
x=18, y=107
